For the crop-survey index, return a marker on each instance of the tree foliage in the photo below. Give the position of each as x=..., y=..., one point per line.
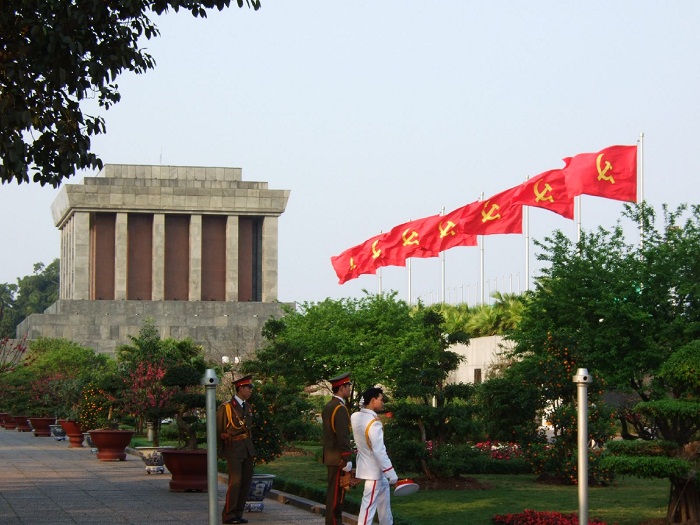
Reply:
x=32, y=294
x=380, y=340
x=630, y=314
x=54, y=55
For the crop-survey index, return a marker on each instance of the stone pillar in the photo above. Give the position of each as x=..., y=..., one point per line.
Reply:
x=158, y=275
x=65, y=260
x=269, y=259
x=232, y=258
x=195, y=258
x=81, y=251
x=121, y=238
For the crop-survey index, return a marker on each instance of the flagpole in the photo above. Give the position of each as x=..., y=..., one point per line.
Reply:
x=527, y=245
x=481, y=244
x=408, y=266
x=443, y=265
x=578, y=218
x=640, y=185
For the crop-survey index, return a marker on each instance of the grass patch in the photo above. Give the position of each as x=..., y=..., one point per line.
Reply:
x=629, y=501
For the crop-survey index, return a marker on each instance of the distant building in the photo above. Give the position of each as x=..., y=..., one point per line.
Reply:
x=481, y=354
x=195, y=248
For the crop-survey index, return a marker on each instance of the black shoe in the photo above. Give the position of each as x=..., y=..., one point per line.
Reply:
x=236, y=520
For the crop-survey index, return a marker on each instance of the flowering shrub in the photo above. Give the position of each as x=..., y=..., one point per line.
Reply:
x=499, y=450
x=94, y=408
x=11, y=353
x=533, y=517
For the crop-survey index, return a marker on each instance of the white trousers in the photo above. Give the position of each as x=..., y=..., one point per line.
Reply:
x=376, y=500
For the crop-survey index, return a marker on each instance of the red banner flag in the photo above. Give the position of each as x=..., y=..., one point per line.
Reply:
x=497, y=214
x=547, y=190
x=610, y=173
x=384, y=249
x=442, y=232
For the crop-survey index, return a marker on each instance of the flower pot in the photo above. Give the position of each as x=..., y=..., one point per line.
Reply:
x=9, y=422
x=3, y=417
x=74, y=432
x=153, y=458
x=259, y=487
x=188, y=469
x=41, y=425
x=22, y=423
x=111, y=444
x=58, y=432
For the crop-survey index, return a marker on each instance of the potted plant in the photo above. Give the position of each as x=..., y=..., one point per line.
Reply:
x=188, y=465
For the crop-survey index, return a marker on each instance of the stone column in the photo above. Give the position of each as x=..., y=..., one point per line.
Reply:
x=158, y=280
x=232, y=258
x=81, y=260
x=269, y=259
x=195, y=258
x=121, y=238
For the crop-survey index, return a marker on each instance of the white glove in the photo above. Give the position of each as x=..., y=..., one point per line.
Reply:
x=393, y=478
x=347, y=467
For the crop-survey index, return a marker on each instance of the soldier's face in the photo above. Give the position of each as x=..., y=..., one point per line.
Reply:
x=245, y=392
x=345, y=390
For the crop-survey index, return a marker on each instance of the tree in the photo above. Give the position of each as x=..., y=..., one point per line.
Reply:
x=55, y=54
x=32, y=294
x=381, y=340
x=627, y=313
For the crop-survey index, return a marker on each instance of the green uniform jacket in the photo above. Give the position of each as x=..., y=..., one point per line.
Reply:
x=336, y=432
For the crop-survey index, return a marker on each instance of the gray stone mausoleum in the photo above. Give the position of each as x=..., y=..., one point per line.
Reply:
x=195, y=248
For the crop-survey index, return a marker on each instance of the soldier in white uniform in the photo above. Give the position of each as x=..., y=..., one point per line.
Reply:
x=373, y=463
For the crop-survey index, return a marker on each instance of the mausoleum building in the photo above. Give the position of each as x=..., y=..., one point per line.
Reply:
x=195, y=248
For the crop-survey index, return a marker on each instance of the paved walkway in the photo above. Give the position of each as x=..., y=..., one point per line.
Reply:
x=43, y=481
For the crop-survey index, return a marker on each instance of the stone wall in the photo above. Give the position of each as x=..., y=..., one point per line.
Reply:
x=223, y=328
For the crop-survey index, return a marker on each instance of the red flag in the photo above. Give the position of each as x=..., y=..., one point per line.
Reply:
x=547, y=190
x=495, y=215
x=442, y=232
x=611, y=173
x=366, y=258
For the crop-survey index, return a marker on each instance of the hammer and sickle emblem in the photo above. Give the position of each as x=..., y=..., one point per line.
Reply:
x=410, y=239
x=489, y=215
x=540, y=195
x=447, y=230
x=602, y=173
x=376, y=252
x=352, y=263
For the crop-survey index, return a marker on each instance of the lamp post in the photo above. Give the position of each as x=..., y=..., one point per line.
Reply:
x=582, y=380
x=210, y=380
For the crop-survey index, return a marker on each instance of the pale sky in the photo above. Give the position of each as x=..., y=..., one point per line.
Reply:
x=374, y=113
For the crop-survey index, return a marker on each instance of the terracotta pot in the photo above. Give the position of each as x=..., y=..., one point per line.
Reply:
x=73, y=431
x=9, y=422
x=42, y=425
x=111, y=444
x=3, y=417
x=22, y=423
x=188, y=469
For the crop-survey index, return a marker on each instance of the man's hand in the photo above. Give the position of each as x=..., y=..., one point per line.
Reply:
x=393, y=478
x=347, y=467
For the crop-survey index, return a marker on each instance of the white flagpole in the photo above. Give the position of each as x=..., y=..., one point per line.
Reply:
x=408, y=266
x=640, y=185
x=443, y=265
x=481, y=243
x=577, y=210
x=527, y=247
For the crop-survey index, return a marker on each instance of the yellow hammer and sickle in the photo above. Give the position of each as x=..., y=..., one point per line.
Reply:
x=540, y=195
x=352, y=263
x=489, y=216
x=447, y=230
x=411, y=239
x=602, y=173
x=375, y=252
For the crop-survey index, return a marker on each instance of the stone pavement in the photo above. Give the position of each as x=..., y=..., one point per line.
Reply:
x=43, y=481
